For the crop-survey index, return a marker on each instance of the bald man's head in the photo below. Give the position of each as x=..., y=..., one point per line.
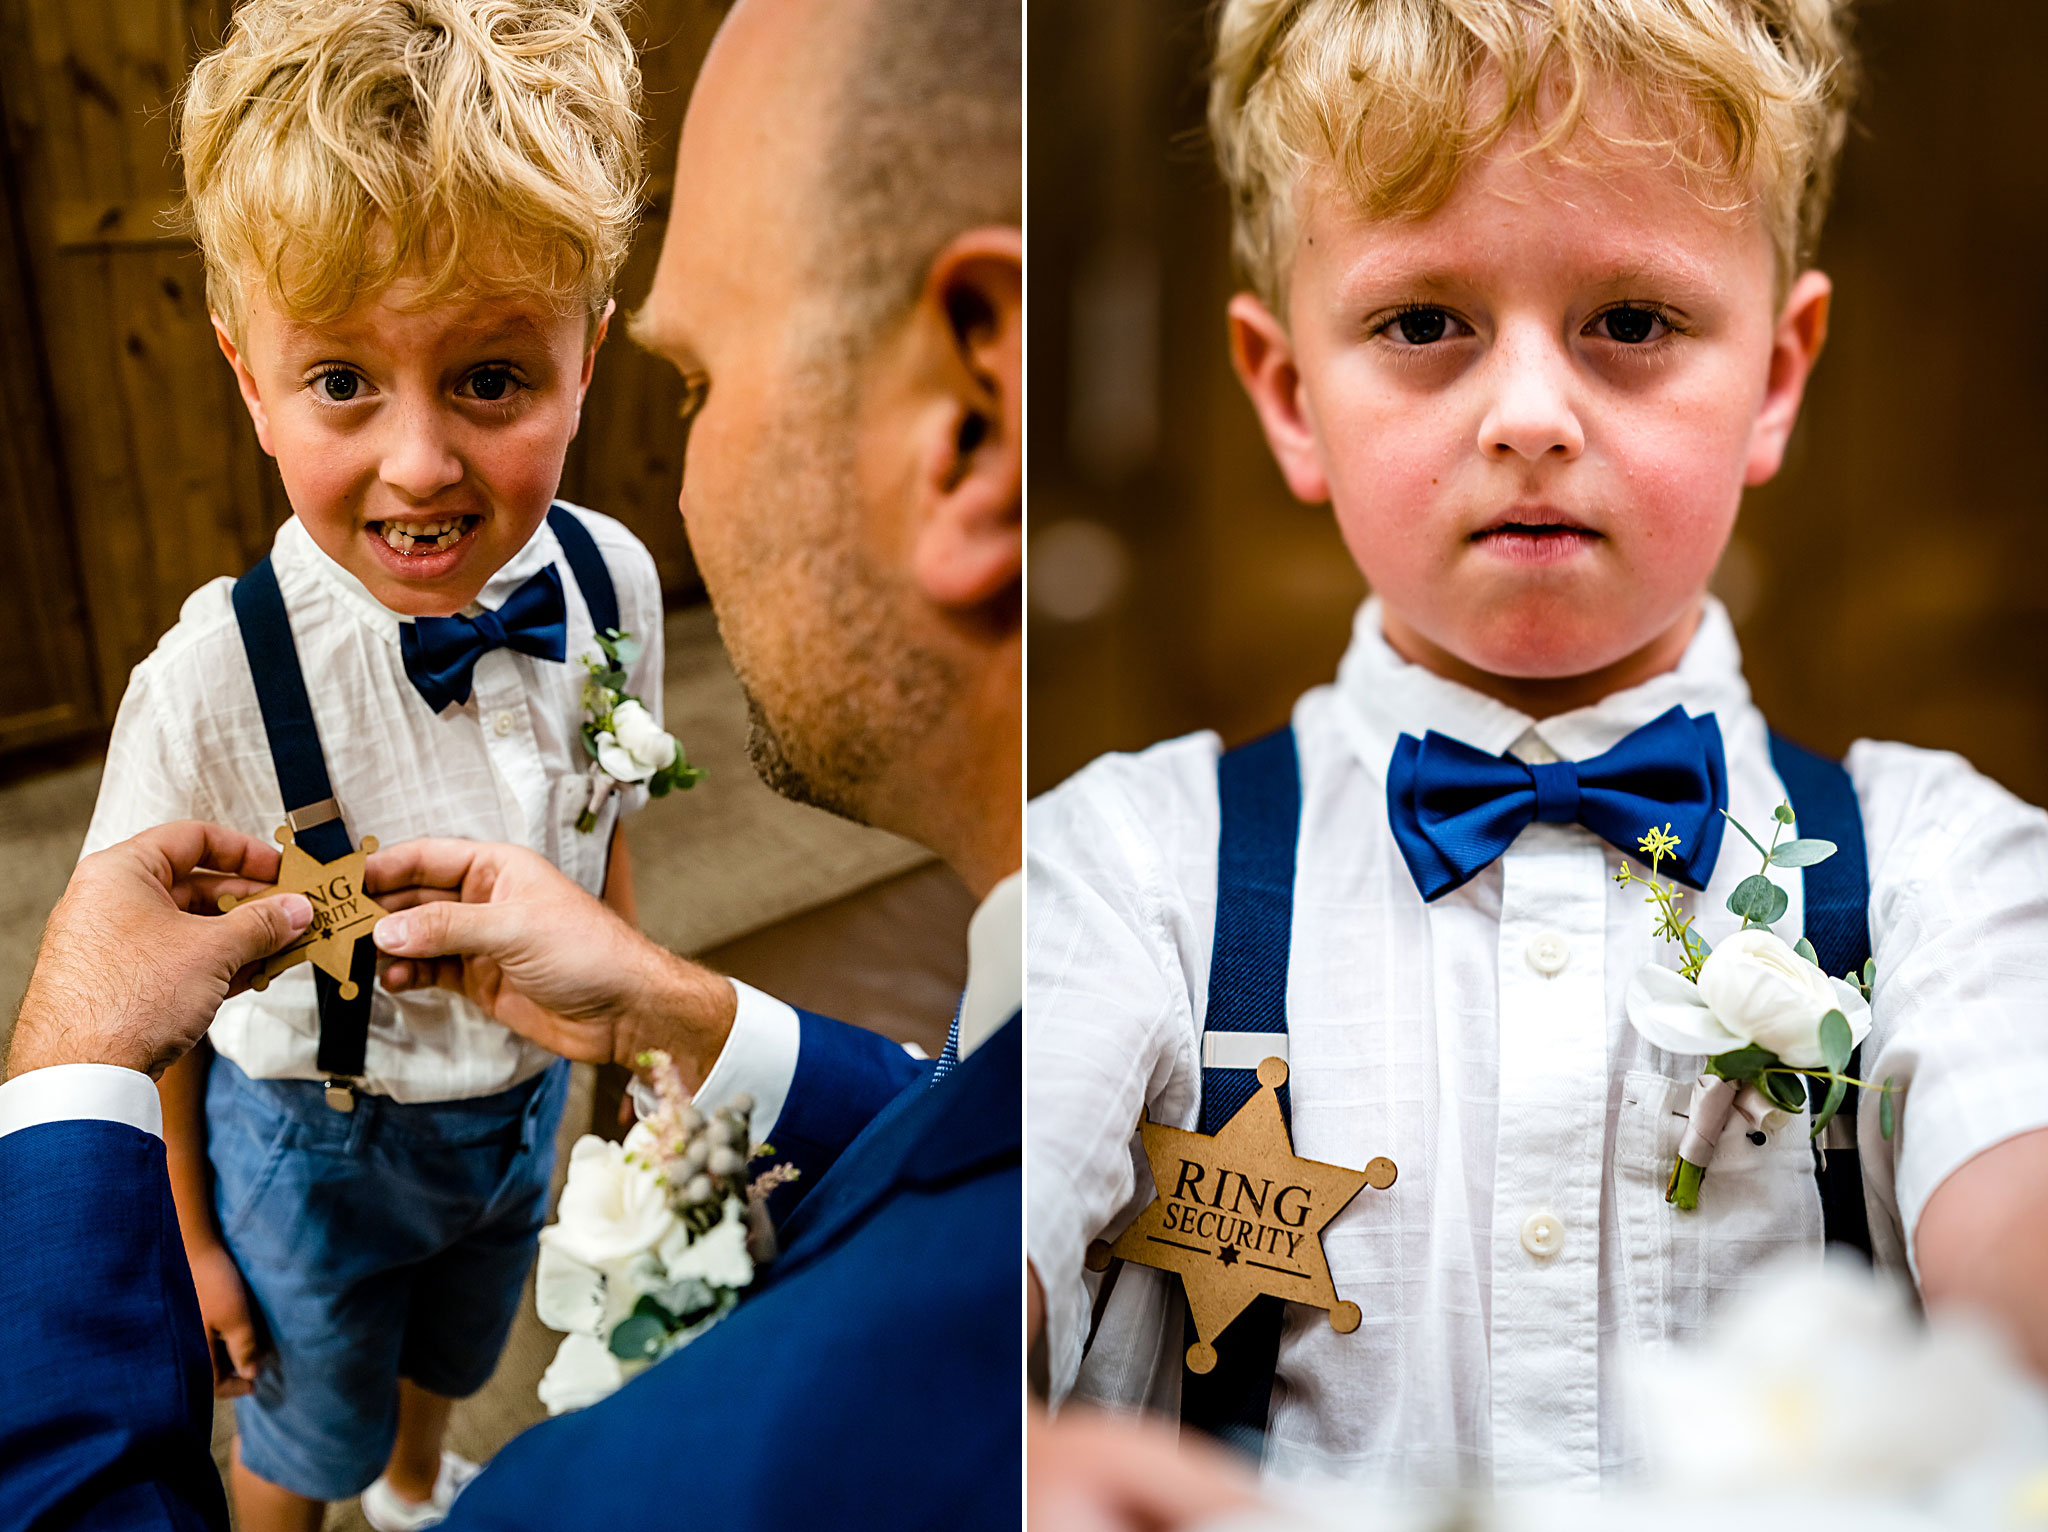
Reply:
x=922, y=135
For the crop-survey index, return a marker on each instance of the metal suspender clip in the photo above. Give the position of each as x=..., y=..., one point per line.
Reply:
x=341, y=1094
x=302, y=820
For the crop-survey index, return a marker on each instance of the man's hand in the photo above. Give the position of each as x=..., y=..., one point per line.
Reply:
x=1087, y=1471
x=134, y=962
x=502, y=926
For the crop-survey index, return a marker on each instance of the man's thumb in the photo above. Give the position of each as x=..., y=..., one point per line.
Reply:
x=443, y=928
x=256, y=929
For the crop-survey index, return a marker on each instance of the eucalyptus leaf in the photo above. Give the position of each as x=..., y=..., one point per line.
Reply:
x=637, y=1337
x=1761, y=851
x=1757, y=898
x=1786, y=1090
x=1829, y=1107
x=626, y=651
x=1802, y=853
x=1782, y=813
x=1741, y=1063
x=1805, y=949
x=1869, y=972
x=1886, y=1116
x=652, y=1308
x=1836, y=1042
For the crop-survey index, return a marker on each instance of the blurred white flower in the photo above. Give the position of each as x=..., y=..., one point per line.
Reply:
x=718, y=1256
x=611, y=1209
x=583, y=1372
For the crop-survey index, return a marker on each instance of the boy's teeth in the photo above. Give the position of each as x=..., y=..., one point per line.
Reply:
x=435, y=534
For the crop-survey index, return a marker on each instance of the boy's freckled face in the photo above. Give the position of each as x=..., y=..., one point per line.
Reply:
x=420, y=447
x=1535, y=408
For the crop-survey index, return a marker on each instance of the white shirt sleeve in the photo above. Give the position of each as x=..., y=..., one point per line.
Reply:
x=759, y=1059
x=1959, y=931
x=71, y=1092
x=1113, y=961
x=150, y=777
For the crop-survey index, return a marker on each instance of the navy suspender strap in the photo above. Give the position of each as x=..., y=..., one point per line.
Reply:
x=587, y=565
x=1259, y=791
x=310, y=806
x=1837, y=922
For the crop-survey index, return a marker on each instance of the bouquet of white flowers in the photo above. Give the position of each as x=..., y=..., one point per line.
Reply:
x=1762, y=1012
x=655, y=1239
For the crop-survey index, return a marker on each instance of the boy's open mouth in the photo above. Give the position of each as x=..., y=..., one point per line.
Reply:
x=422, y=539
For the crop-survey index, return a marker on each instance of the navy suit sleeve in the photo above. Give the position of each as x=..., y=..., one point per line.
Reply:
x=845, y=1076
x=106, y=1409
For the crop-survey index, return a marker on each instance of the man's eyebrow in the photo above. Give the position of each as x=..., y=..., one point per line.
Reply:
x=646, y=329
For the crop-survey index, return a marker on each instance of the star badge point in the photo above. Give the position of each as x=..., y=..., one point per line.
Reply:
x=1239, y=1215
x=342, y=912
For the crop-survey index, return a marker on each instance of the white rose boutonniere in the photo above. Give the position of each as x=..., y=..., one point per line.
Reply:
x=1762, y=1013
x=654, y=1241
x=625, y=744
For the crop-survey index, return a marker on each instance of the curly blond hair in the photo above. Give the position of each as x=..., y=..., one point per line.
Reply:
x=1394, y=98
x=333, y=146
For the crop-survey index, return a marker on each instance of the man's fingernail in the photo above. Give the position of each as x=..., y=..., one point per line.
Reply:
x=390, y=933
x=298, y=909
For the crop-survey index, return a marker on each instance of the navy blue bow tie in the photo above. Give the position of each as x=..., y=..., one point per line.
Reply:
x=441, y=652
x=1455, y=809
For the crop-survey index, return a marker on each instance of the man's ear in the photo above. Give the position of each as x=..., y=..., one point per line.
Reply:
x=597, y=335
x=1263, y=354
x=246, y=382
x=970, y=537
x=1795, y=346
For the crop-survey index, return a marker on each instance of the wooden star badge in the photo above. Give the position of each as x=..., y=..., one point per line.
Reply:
x=342, y=912
x=1238, y=1216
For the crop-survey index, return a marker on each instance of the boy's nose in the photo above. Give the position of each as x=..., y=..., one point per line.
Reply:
x=419, y=461
x=1530, y=414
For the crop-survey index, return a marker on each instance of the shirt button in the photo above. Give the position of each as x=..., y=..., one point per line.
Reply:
x=1542, y=1235
x=503, y=724
x=1548, y=952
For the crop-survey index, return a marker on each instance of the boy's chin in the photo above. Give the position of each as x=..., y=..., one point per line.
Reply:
x=1542, y=645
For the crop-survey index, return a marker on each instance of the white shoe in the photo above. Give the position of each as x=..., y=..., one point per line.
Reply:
x=388, y=1511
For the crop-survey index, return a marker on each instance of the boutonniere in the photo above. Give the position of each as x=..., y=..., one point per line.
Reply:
x=626, y=745
x=1762, y=1013
x=654, y=1241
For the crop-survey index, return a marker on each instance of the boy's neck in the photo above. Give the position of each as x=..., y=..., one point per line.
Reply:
x=1546, y=696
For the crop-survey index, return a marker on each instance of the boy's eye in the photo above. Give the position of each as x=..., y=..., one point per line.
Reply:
x=492, y=383
x=1629, y=324
x=338, y=385
x=1422, y=326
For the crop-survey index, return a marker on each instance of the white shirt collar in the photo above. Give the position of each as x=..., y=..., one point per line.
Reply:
x=995, y=964
x=295, y=551
x=1385, y=696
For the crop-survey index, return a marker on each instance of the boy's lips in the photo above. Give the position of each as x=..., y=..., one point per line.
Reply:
x=421, y=548
x=1535, y=535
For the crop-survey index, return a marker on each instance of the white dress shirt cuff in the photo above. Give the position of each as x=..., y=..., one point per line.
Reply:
x=759, y=1059
x=71, y=1092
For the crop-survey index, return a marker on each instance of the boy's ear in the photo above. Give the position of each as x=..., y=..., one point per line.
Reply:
x=1263, y=354
x=1795, y=346
x=246, y=382
x=597, y=335
x=969, y=541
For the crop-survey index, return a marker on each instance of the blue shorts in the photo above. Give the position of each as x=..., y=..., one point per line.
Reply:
x=389, y=1242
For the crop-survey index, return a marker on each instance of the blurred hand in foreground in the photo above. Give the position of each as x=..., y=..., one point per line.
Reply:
x=1087, y=1471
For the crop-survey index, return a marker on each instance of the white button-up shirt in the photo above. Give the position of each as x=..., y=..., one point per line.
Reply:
x=507, y=765
x=1481, y=1043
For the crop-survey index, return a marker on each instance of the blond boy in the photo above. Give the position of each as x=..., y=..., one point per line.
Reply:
x=1531, y=304
x=412, y=212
